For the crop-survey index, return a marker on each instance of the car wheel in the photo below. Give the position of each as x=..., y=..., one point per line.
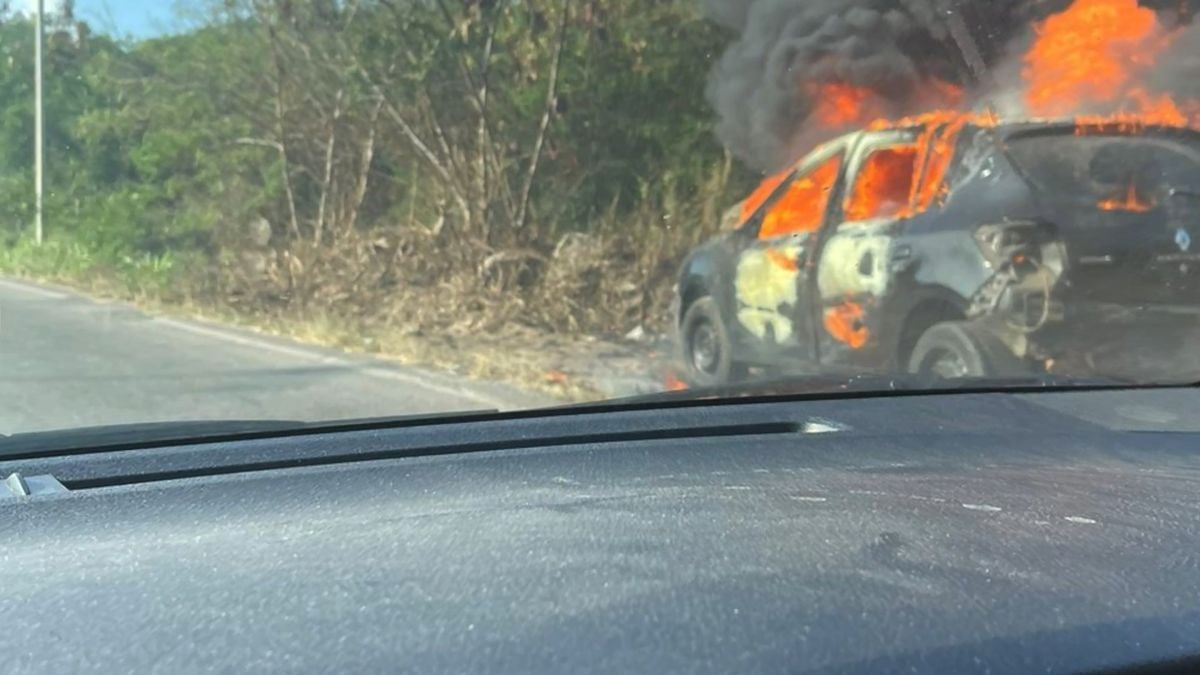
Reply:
x=707, y=347
x=958, y=349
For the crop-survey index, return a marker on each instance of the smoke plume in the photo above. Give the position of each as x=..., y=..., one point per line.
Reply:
x=1179, y=67
x=767, y=85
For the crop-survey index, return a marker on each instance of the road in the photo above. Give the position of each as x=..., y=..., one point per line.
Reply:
x=70, y=361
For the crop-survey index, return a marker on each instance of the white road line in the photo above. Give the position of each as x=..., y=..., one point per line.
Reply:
x=245, y=341
x=309, y=355
x=214, y=333
x=32, y=290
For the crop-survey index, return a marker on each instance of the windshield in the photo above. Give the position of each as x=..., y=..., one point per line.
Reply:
x=325, y=210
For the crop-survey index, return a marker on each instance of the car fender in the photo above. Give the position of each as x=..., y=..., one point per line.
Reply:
x=706, y=271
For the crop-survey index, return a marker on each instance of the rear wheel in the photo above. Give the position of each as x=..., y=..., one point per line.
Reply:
x=957, y=349
x=707, y=346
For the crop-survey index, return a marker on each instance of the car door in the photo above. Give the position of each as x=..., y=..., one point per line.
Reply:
x=771, y=280
x=851, y=258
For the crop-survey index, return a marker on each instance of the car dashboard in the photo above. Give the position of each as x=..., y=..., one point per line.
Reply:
x=973, y=532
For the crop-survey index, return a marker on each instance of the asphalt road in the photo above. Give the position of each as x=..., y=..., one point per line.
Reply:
x=68, y=361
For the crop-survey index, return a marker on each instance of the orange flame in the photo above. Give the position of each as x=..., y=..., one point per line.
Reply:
x=673, y=383
x=1155, y=110
x=764, y=191
x=902, y=181
x=1096, y=54
x=845, y=323
x=884, y=185
x=938, y=144
x=556, y=377
x=1089, y=61
x=840, y=105
x=802, y=207
x=782, y=260
x=843, y=105
x=1128, y=201
x=1092, y=52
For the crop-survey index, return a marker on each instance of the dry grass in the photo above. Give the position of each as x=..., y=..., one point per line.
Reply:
x=524, y=362
x=515, y=314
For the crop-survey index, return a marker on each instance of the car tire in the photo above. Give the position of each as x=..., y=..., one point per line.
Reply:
x=958, y=349
x=707, y=348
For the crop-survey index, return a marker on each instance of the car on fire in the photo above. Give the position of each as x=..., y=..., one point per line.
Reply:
x=959, y=247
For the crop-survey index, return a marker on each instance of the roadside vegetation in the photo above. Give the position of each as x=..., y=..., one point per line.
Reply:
x=430, y=170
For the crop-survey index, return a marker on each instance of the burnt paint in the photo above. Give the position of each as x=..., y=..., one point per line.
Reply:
x=933, y=255
x=711, y=270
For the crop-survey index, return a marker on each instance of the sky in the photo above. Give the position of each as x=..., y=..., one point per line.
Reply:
x=124, y=18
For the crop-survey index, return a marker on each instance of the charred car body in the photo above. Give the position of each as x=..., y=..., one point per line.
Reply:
x=958, y=247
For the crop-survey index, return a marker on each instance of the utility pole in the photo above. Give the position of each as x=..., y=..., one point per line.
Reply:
x=38, y=122
x=963, y=39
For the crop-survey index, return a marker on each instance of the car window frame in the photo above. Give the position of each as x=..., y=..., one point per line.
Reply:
x=803, y=167
x=869, y=144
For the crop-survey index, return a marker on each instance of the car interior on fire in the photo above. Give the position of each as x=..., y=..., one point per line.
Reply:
x=883, y=185
x=573, y=336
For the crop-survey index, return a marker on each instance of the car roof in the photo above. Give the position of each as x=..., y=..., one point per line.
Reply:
x=1117, y=127
x=1017, y=129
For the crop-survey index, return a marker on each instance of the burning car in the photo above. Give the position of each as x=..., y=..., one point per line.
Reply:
x=955, y=245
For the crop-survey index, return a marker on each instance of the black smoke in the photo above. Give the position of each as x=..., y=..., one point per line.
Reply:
x=760, y=87
x=1178, y=69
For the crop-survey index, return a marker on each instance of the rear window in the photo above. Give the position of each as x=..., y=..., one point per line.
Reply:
x=1116, y=173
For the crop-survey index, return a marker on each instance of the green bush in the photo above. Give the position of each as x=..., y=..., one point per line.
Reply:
x=69, y=261
x=357, y=133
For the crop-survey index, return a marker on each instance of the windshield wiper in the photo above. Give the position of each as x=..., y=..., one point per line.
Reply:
x=133, y=436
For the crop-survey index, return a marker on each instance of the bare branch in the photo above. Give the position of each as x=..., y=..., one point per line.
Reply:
x=364, y=169
x=327, y=178
x=547, y=113
x=483, y=144
x=406, y=128
x=424, y=151
x=260, y=142
x=440, y=135
x=285, y=166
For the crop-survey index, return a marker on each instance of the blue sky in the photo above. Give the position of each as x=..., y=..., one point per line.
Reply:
x=135, y=18
x=125, y=18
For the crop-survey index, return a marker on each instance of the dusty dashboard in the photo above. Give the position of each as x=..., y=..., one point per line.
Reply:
x=1053, y=532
